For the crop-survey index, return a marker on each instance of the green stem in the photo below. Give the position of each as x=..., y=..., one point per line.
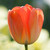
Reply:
x=26, y=47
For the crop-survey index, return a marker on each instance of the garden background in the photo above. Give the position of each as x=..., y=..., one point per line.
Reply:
x=6, y=41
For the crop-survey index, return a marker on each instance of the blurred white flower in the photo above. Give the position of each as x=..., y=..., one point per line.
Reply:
x=13, y=46
x=3, y=12
x=46, y=46
x=3, y=38
x=47, y=2
x=3, y=23
x=31, y=47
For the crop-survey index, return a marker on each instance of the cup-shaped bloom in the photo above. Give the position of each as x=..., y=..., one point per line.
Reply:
x=25, y=23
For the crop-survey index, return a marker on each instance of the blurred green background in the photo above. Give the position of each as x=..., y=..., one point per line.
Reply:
x=7, y=43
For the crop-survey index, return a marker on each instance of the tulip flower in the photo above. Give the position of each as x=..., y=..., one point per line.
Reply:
x=25, y=23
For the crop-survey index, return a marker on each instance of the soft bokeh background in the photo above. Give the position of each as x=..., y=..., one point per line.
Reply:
x=7, y=43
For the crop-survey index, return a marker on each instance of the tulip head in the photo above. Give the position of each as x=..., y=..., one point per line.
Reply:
x=25, y=23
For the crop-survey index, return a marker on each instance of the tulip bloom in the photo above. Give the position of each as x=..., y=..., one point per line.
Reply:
x=25, y=23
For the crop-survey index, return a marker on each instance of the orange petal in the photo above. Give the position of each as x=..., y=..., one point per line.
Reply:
x=40, y=18
x=15, y=24
x=15, y=12
x=29, y=7
x=25, y=18
x=33, y=25
x=11, y=27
